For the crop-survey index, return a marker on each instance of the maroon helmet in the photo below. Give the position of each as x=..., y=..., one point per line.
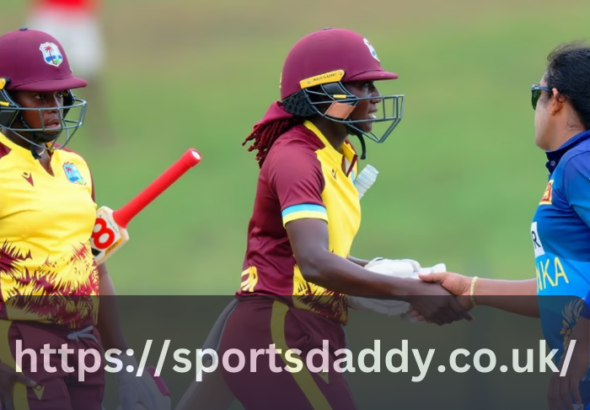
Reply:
x=315, y=73
x=32, y=60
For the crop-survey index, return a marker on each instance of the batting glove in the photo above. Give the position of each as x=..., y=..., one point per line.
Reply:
x=401, y=268
x=146, y=392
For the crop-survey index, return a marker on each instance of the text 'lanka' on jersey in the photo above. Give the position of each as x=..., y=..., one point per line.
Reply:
x=560, y=233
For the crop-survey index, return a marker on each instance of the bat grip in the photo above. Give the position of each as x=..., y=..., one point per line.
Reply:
x=188, y=160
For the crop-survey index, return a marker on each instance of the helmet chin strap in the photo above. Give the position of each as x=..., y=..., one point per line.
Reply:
x=363, y=146
x=34, y=152
x=353, y=131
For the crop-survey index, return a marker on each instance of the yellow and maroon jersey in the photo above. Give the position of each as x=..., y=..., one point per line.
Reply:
x=303, y=176
x=45, y=226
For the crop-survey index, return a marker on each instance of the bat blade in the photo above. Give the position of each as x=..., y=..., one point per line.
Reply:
x=107, y=237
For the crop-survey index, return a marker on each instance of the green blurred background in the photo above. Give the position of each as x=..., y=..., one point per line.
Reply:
x=460, y=177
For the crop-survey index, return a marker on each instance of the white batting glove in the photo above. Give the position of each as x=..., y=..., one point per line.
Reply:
x=141, y=393
x=401, y=268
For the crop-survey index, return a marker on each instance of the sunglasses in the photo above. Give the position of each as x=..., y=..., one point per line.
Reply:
x=536, y=94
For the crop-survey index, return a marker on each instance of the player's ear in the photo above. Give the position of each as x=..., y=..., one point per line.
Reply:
x=556, y=102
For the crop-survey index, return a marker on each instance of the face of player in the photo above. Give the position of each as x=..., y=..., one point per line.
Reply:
x=49, y=118
x=365, y=109
x=543, y=120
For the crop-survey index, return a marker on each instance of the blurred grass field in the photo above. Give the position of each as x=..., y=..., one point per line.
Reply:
x=460, y=177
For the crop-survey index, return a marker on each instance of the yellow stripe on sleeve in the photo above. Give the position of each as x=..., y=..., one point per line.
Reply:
x=303, y=215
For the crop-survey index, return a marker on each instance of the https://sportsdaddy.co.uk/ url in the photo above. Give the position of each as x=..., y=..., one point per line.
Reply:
x=320, y=360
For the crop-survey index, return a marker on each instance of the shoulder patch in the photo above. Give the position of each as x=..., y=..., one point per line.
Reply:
x=548, y=195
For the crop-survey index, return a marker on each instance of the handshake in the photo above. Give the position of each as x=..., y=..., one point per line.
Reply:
x=430, y=300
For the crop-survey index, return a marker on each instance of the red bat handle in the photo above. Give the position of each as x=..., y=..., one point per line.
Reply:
x=188, y=160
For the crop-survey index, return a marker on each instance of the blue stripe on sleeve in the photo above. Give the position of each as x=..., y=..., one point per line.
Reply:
x=303, y=207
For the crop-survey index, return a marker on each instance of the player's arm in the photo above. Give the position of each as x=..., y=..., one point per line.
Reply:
x=133, y=391
x=309, y=241
x=297, y=180
x=493, y=292
x=514, y=296
x=564, y=389
x=109, y=325
x=357, y=261
x=576, y=183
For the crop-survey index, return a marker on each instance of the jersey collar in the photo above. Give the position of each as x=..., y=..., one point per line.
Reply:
x=4, y=140
x=8, y=142
x=347, y=153
x=553, y=157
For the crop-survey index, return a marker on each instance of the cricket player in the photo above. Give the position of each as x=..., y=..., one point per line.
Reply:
x=49, y=282
x=560, y=229
x=77, y=24
x=298, y=266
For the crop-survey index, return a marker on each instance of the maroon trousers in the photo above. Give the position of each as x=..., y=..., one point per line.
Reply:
x=265, y=337
x=70, y=380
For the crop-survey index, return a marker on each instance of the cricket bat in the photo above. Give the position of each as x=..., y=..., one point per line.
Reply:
x=110, y=229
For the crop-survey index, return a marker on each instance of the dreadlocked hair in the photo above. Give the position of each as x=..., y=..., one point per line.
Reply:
x=265, y=135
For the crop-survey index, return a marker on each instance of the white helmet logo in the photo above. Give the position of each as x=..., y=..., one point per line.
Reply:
x=51, y=54
x=371, y=49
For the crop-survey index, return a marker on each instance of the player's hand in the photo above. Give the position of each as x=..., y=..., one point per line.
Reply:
x=454, y=283
x=8, y=378
x=564, y=392
x=435, y=304
x=147, y=390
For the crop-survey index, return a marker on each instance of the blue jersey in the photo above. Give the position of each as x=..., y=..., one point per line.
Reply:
x=560, y=233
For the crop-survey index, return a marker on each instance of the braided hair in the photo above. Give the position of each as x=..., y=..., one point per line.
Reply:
x=264, y=135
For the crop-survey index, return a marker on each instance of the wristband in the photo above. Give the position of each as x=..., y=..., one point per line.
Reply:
x=472, y=291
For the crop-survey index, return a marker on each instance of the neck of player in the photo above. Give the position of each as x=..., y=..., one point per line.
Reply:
x=334, y=132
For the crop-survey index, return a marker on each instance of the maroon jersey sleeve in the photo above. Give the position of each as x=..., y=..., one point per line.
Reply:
x=295, y=176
